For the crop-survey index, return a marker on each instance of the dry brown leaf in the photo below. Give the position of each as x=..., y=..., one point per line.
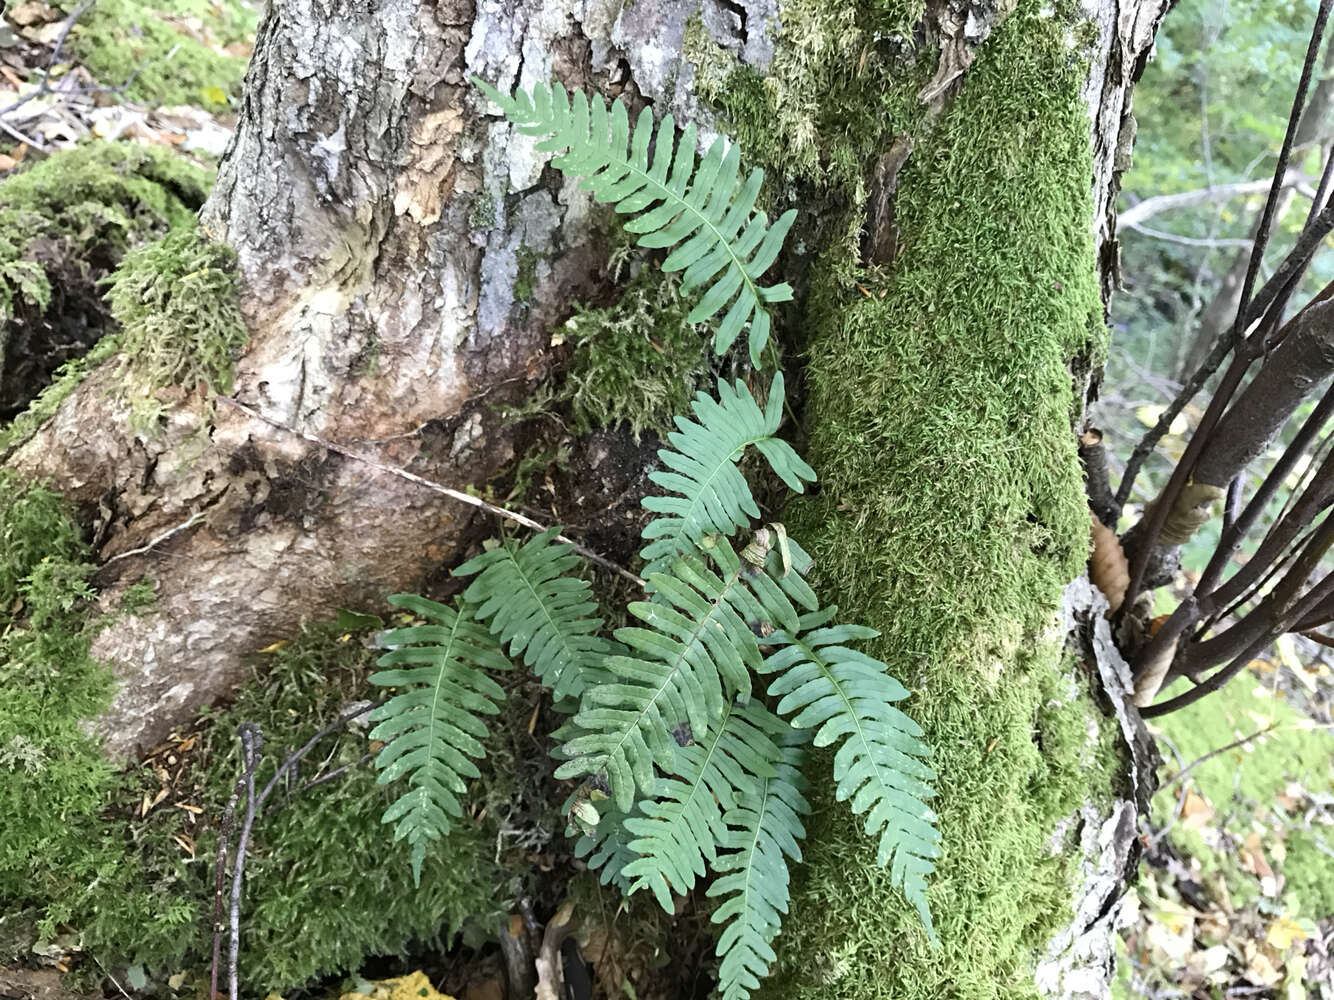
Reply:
x=1108, y=569
x=1195, y=811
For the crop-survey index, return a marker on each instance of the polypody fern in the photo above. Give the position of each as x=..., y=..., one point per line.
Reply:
x=688, y=765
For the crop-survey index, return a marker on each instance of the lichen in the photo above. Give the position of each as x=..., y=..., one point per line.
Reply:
x=191, y=52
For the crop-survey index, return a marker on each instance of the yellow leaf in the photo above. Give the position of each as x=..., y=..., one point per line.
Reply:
x=213, y=95
x=411, y=987
x=1150, y=415
x=1284, y=933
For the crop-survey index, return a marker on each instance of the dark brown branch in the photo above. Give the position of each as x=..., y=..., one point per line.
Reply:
x=1296, y=260
x=1097, y=487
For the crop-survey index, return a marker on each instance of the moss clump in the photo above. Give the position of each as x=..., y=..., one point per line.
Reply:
x=951, y=512
x=1309, y=872
x=325, y=886
x=51, y=773
x=176, y=303
x=176, y=54
x=636, y=361
x=64, y=224
x=1244, y=783
x=95, y=200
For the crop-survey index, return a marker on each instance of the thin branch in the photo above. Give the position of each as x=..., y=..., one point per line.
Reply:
x=190, y=522
x=1210, y=243
x=44, y=85
x=252, y=743
x=295, y=756
x=1214, y=753
x=1150, y=207
x=435, y=487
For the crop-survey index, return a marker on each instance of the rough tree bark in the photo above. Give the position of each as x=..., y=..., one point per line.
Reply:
x=381, y=218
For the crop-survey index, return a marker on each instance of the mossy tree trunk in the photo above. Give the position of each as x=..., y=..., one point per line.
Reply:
x=405, y=257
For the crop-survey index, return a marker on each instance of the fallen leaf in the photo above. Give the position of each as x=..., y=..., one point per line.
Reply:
x=1284, y=932
x=1195, y=811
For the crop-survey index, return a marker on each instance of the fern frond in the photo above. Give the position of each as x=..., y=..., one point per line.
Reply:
x=528, y=599
x=762, y=832
x=431, y=728
x=678, y=829
x=846, y=695
x=712, y=496
x=723, y=243
x=691, y=661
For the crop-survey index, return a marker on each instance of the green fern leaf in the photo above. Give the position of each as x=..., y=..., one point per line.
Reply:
x=723, y=244
x=678, y=829
x=847, y=696
x=712, y=496
x=606, y=848
x=431, y=728
x=528, y=600
x=692, y=660
x=763, y=830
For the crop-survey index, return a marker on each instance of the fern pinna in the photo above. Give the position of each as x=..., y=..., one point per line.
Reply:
x=688, y=764
x=722, y=242
x=431, y=727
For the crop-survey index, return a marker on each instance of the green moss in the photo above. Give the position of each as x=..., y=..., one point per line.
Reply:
x=951, y=512
x=181, y=324
x=160, y=47
x=1243, y=784
x=1309, y=872
x=637, y=361
x=99, y=198
x=50, y=770
x=527, y=260
x=832, y=93
x=325, y=886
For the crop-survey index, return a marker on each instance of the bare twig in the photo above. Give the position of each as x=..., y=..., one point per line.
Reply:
x=44, y=85
x=190, y=522
x=435, y=487
x=295, y=756
x=1149, y=207
x=1214, y=753
x=252, y=745
x=1206, y=243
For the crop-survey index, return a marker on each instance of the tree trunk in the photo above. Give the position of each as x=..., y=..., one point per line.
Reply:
x=405, y=257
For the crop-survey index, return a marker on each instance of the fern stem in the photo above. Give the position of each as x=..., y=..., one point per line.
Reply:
x=453, y=494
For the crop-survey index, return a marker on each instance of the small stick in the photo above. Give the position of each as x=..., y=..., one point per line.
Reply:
x=252, y=743
x=422, y=481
